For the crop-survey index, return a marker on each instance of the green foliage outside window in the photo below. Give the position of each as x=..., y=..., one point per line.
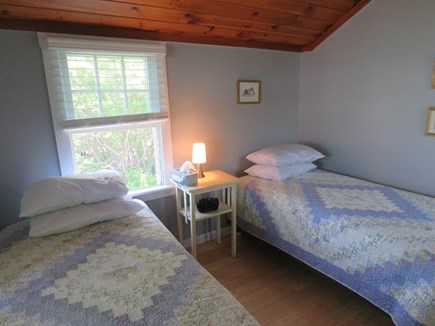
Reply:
x=130, y=152
x=112, y=85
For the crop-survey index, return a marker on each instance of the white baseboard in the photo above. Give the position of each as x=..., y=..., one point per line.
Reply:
x=206, y=237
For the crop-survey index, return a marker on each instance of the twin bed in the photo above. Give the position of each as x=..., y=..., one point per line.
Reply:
x=128, y=271
x=376, y=240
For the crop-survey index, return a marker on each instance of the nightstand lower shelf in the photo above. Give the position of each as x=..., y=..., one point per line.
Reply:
x=223, y=209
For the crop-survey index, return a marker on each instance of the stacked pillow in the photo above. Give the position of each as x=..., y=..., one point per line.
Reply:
x=60, y=204
x=281, y=162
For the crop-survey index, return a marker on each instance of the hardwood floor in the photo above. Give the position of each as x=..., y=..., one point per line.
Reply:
x=279, y=290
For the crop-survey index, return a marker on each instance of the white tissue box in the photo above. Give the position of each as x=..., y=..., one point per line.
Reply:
x=185, y=179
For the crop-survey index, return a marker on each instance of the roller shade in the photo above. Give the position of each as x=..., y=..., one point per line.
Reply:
x=101, y=82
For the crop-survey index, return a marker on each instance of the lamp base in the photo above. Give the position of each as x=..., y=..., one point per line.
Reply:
x=199, y=170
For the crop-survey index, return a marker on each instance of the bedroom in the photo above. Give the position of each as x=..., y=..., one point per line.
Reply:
x=361, y=97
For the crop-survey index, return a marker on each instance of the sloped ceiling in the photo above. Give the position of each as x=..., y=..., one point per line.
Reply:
x=288, y=25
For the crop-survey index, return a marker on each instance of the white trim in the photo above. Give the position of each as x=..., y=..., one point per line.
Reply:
x=168, y=163
x=208, y=236
x=166, y=131
x=152, y=193
x=122, y=119
x=53, y=41
x=117, y=126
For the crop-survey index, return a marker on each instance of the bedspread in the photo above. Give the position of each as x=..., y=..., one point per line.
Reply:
x=129, y=271
x=376, y=240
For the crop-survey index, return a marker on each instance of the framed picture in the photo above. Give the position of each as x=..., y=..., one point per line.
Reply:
x=430, y=125
x=248, y=91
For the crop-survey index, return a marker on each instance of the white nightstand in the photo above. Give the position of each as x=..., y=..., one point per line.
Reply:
x=224, y=187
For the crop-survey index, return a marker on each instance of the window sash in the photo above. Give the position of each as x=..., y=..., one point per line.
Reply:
x=113, y=120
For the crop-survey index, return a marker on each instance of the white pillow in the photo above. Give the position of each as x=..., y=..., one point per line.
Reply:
x=279, y=173
x=285, y=154
x=76, y=217
x=61, y=192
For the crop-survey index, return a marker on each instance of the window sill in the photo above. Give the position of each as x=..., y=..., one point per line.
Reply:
x=152, y=193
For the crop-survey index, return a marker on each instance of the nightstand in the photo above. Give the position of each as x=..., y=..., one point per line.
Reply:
x=224, y=187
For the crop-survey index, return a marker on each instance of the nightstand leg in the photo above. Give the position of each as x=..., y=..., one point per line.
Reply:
x=193, y=225
x=218, y=228
x=233, y=222
x=179, y=217
x=218, y=219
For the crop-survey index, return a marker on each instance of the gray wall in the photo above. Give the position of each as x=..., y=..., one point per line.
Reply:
x=365, y=93
x=27, y=145
x=203, y=89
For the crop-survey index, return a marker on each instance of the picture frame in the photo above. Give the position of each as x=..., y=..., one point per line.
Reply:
x=248, y=91
x=430, y=124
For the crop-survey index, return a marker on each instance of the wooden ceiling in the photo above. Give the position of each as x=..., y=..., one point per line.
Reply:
x=288, y=25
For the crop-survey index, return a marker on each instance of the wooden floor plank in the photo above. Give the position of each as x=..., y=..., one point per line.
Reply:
x=279, y=290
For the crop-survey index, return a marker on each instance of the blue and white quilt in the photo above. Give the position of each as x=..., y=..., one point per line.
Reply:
x=376, y=240
x=129, y=271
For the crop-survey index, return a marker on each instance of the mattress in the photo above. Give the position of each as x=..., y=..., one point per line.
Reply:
x=129, y=271
x=376, y=240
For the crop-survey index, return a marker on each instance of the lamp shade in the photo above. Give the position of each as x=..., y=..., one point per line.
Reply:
x=198, y=153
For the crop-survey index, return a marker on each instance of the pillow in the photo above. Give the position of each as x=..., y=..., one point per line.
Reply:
x=61, y=192
x=285, y=154
x=279, y=173
x=76, y=217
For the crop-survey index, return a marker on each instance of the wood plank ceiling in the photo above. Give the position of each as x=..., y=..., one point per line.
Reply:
x=288, y=25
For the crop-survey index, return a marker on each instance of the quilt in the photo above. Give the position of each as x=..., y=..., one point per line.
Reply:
x=129, y=271
x=376, y=240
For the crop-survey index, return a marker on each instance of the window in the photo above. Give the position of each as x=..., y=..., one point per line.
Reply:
x=109, y=104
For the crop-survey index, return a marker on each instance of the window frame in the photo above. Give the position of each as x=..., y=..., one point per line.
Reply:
x=159, y=120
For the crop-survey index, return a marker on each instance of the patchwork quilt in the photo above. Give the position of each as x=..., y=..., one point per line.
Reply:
x=129, y=271
x=376, y=240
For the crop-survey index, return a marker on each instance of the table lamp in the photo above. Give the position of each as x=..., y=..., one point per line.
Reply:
x=198, y=157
